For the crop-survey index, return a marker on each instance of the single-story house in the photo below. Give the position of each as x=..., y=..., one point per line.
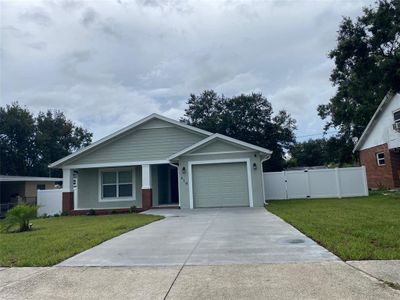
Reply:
x=23, y=189
x=379, y=145
x=157, y=162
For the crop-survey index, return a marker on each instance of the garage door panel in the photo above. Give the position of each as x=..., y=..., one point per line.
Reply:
x=218, y=185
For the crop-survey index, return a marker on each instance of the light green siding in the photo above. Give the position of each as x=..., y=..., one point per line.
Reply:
x=156, y=143
x=219, y=185
x=88, y=191
x=217, y=146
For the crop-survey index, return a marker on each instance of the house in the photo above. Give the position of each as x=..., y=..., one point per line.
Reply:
x=22, y=189
x=379, y=145
x=159, y=162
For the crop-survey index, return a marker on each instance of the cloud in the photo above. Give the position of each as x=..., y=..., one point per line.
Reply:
x=89, y=16
x=36, y=15
x=109, y=63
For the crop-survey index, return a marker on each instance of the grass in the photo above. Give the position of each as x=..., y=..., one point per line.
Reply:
x=54, y=239
x=359, y=228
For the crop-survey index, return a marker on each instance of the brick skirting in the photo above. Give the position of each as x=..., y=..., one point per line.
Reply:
x=387, y=176
x=147, y=198
x=67, y=201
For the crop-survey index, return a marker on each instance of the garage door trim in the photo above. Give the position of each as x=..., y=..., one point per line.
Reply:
x=220, y=161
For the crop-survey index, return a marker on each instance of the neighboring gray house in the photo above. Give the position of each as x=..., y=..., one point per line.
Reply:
x=161, y=162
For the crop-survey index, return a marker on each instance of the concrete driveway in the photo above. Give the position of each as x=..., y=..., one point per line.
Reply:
x=206, y=237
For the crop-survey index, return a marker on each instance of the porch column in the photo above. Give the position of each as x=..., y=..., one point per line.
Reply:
x=68, y=190
x=147, y=194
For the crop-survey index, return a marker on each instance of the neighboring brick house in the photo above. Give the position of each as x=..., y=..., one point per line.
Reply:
x=379, y=145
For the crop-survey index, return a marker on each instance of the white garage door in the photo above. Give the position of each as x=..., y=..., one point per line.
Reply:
x=219, y=185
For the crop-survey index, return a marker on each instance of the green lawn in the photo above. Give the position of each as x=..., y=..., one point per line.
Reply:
x=57, y=238
x=353, y=228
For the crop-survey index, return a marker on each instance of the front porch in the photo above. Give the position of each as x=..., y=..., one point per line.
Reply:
x=120, y=188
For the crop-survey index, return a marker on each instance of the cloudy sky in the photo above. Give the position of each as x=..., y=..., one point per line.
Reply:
x=108, y=63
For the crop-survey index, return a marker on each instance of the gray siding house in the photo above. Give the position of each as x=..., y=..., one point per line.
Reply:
x=158, y=162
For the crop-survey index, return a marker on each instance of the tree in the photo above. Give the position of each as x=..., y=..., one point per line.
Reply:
x=367, y=66
x=319, y=152
x=17, y=132
x=246, y=117
x=28, y=144
x=57, y=137
x=309, y=153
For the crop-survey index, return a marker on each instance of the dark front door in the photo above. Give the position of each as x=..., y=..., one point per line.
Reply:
x=174, y=185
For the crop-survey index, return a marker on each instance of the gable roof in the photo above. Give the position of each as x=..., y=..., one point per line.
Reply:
x=100, y=142
x=221, y=137
x=386, y=100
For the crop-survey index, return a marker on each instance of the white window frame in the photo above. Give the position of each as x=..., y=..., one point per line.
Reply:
x=396, y=111
x=378, y=159
x=117, y=198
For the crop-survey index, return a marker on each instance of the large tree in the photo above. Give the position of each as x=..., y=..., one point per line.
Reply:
x=367, y=66
x=248, y=118
x=319, y=152
x=28, y=143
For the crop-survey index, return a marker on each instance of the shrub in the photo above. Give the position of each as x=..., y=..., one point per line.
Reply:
x=17, y=218
x=65, y=213
x=132, y=209
x=91, y=212
x=45, y=216
x=56, y=215
x=113, y=212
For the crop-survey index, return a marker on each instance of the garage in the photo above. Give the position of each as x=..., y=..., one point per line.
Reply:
x=220, y=185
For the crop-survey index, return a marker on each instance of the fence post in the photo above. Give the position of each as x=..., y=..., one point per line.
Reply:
x=308, y=183
x=339, y=191
x=285, y=184
x=364, y=174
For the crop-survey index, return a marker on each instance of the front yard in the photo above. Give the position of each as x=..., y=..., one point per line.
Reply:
x=354, y=228
x=54, y=239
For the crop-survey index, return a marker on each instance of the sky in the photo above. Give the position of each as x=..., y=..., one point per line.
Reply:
x=106, y=64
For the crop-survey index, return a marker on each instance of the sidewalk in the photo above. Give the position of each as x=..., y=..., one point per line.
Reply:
x=328, y=280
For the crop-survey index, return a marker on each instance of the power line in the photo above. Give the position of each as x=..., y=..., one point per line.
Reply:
x=315, y=134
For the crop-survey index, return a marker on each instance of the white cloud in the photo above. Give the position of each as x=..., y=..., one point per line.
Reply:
x=107, y=64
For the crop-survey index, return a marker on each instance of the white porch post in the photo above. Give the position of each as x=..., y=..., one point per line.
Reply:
x=146, y=177
x=68, y=190
x=147, y=193
x=68, y=180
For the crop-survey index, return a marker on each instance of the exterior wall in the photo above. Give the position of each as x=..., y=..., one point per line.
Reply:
x=256, y=175
x=386, y=176
x=217, y=146
x=31, y=188
x=88, y=191
x=382, y=131
x=142, y=144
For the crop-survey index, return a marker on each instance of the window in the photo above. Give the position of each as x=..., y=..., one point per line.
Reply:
x=40, y=186
x=396, y=116
x=117, y=184
x=380, y=158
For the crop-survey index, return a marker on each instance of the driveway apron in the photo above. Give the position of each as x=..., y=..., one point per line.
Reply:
x=216, y=236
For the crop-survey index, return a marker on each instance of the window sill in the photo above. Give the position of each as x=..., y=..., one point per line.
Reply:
x=121, y=199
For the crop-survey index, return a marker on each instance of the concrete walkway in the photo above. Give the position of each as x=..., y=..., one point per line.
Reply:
x=326, y=280
x=206, y=237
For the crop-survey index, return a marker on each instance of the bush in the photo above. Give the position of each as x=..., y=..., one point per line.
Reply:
x=45, y=216
x=56, y=215
x=114, y=212
x=91, y=212
x=65, y=213
x=132, y=209
x=17, y=218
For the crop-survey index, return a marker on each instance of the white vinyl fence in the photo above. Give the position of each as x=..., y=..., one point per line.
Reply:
x=316, y=183
x=49, y=201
